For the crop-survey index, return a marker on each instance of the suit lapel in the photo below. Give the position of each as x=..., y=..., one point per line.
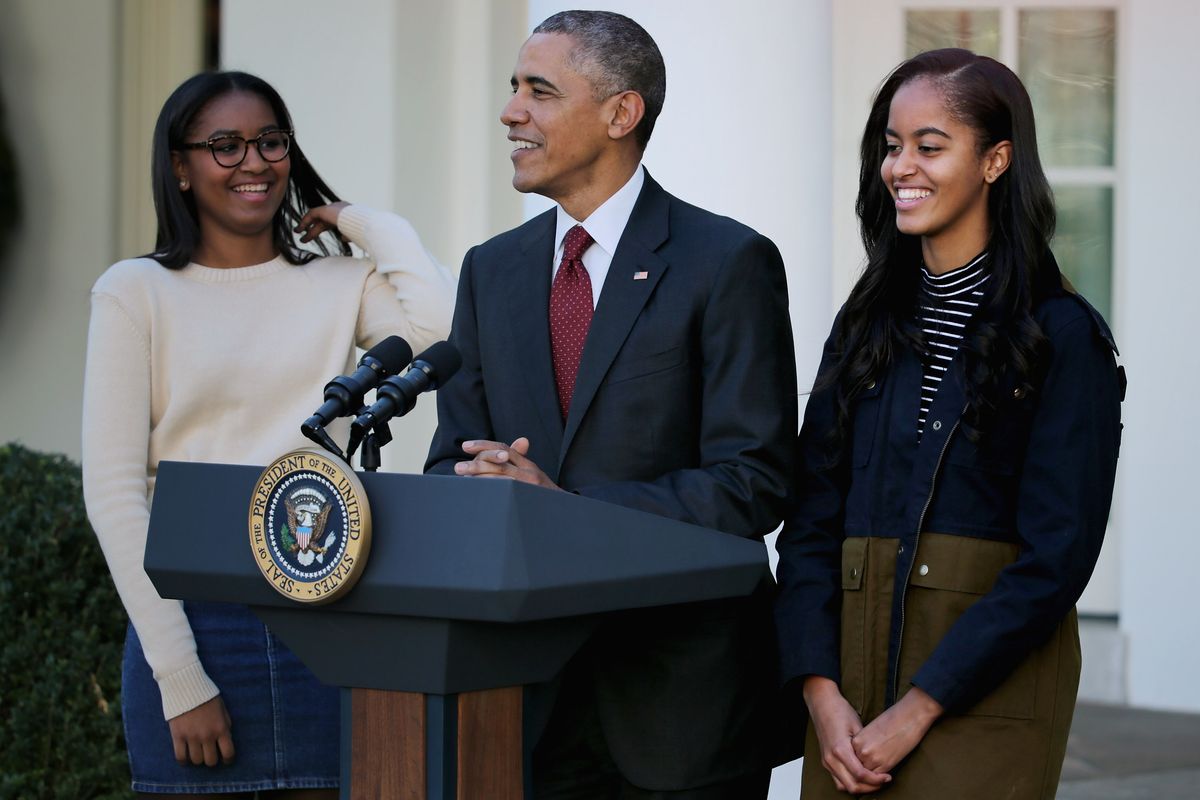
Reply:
x=529, y=303
x=621, y=300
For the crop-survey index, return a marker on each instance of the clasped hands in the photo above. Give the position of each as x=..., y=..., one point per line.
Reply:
x=499, y=460
x=860, y=758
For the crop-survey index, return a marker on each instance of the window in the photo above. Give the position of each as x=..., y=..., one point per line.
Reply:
x=1066, y=58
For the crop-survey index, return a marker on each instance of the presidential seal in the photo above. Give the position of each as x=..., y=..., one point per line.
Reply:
x=310, y=526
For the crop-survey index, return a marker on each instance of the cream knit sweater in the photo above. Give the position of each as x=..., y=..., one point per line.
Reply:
x=222, y=365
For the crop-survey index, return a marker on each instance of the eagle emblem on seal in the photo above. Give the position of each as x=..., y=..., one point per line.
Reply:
x=307, y=511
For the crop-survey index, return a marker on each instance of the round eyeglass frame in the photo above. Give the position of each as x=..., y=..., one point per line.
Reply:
x=210, y=144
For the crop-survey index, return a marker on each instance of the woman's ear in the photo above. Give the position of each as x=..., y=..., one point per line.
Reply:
x=180, y=170
x=996, y=160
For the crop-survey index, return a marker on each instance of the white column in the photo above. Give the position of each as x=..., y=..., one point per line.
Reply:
x=161, y=46
x=745, y=131
x=1155, y=297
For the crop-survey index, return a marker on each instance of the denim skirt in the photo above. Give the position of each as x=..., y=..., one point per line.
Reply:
x=284, y=721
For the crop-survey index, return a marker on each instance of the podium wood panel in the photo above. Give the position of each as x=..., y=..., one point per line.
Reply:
x=388, y=740
x=489, y=744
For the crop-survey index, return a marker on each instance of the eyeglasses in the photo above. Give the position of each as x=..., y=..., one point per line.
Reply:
x=229, y=151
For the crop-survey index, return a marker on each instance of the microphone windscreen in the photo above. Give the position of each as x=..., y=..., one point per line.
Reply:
x=393, y=353
x=444, y=358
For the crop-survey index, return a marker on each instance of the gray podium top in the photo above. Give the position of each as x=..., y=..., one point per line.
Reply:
x=469, y=583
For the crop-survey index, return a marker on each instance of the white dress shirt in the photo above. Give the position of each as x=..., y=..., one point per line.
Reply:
x=605, y=225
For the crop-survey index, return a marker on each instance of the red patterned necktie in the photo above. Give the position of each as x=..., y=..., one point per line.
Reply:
x=570, y=314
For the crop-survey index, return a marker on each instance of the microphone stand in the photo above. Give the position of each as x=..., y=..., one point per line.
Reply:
x=377, y=437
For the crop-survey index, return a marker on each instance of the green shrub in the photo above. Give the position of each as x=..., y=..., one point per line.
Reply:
x=62, y=629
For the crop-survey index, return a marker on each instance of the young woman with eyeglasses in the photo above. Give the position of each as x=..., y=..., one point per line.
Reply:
x=957, y=461
x=214, y=347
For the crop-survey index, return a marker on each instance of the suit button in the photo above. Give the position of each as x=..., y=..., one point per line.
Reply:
x=937, y=425
x=853, y=572
x=870, y=385
x=900, y=552
x=924, y=570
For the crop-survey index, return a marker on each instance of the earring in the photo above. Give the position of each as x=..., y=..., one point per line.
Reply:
x=183, y=186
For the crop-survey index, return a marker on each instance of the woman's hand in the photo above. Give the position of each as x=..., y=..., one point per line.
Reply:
x=319, y=220
x=896, y=732
x=836, y=723
x=203, y=735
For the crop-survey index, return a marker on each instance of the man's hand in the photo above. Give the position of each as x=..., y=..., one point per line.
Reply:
x=202, y=735
x=836, y=724
x=896, y=732
x=497, y=460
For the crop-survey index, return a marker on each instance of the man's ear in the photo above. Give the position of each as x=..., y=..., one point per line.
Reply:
x=625, y=110
x=997, y=161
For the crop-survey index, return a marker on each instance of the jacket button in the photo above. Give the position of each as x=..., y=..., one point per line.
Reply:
x=924, y=570
x=937, y=425
x=870, y=386
x=853, y=572
x=900, y=551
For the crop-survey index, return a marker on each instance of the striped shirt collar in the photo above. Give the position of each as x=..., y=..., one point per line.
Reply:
x=958, y=281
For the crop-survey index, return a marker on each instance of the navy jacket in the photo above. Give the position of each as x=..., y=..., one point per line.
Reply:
x=684, y=406
x=1041, y=477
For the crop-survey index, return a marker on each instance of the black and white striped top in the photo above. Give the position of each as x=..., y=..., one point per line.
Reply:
x=944, y=307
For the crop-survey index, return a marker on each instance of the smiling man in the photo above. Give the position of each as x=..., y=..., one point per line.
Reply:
x=632, y=348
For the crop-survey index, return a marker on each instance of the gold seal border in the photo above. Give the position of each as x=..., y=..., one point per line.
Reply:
x=358, y=510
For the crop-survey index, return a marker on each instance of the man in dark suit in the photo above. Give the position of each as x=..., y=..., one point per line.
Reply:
x=632, y=348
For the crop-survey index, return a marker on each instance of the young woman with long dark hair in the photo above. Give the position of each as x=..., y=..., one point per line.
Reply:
x=215, y=347
x=957, y=462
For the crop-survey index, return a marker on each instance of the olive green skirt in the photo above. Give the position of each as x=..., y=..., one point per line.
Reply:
x=1010, y=744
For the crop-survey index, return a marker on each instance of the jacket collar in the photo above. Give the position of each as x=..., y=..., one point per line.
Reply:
x=529, y=299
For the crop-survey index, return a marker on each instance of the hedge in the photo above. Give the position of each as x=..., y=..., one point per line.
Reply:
x=62, y=629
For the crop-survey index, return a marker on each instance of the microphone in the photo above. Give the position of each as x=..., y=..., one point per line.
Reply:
x=344, y=394
x=397, y=395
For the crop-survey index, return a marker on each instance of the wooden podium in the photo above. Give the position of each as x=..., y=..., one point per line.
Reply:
x=472, y=590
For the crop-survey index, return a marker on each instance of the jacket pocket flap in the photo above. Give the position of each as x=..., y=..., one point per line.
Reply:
x=960, y=563
x=626, y=367
x=854, y=561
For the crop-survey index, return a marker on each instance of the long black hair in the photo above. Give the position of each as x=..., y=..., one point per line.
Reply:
x=1004, y=345
x=178, y=225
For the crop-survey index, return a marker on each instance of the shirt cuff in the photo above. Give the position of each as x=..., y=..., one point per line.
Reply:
x=185, y=689
x=943, y=687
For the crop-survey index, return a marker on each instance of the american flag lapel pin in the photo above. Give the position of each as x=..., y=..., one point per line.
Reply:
x=641, y=276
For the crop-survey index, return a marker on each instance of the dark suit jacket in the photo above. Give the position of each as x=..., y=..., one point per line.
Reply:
x=684, y=406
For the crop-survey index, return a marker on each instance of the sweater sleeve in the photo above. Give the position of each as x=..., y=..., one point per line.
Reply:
x=408, y=294
x=116, y=436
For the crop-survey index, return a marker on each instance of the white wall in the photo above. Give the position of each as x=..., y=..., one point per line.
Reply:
x=1155, y=297
x=59, y=83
